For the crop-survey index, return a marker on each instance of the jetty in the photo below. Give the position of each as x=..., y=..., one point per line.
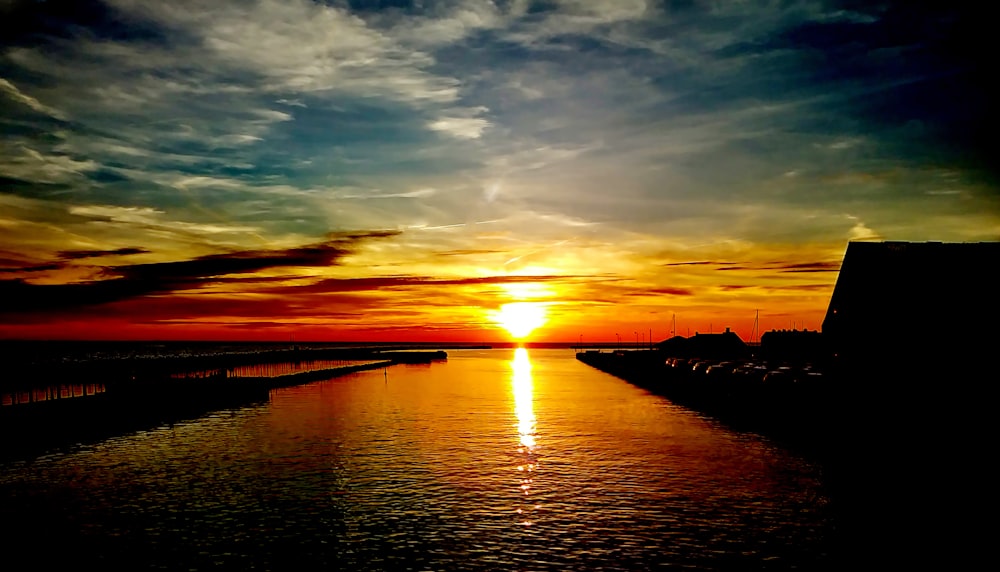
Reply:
x=790, y=405
x=60, y=405
x=32, y=382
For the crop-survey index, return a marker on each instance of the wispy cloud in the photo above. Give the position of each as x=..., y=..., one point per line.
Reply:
x=11, y=91
x=460, y=127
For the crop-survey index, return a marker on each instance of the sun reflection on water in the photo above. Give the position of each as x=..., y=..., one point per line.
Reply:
x=523, y=388
x=523, y=399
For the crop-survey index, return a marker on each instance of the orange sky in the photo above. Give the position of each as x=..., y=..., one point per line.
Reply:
x=349, y=288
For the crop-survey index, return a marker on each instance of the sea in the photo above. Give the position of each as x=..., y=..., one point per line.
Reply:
x=495, y=459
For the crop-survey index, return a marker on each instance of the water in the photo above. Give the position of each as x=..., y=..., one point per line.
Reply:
x=495, y=459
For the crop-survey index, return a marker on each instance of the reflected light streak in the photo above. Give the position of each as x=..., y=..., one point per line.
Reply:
x=524, y=398
x=523, y=388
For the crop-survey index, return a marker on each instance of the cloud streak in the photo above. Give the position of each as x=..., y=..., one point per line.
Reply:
x=131, y=281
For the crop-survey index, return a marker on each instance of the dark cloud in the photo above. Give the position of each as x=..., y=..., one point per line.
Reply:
x=27, y=22
x=19, y=296
x=779, y=266
x=917, y=74
x=385, y=282
x=78, y=254
x=804, y=287
x=31, y=268
x=671, y=291
x=812, y=267
x=699, y=263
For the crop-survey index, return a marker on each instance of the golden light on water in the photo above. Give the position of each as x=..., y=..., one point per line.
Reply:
x=520, y=318
x=524, y=398
x=523, y=389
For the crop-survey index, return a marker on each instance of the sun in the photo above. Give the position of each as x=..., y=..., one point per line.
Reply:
x=520, y=318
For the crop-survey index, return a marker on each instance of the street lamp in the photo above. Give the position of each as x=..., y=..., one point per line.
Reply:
x=636, y=339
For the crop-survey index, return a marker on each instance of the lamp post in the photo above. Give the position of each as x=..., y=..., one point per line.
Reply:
x=619, y=341
x=636, y=339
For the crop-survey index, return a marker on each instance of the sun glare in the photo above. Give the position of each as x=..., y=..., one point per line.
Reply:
x=520, y=318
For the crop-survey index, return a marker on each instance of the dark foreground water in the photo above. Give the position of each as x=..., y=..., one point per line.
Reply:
x=495, y=459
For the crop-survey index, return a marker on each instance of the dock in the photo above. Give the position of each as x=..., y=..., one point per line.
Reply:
x=66, y=406
x=796, y=414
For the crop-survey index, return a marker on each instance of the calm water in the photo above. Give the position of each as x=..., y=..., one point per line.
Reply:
x=495, y=459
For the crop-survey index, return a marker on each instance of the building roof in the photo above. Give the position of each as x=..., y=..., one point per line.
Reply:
x=723, y=345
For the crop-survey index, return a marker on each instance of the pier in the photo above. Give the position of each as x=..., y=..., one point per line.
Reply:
x=790, y=406
x=47, y=409
x=233, y=371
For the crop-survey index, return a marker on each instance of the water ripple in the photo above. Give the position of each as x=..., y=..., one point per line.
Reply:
x=469, y=464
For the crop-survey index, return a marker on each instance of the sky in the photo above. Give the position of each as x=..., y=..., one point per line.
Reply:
x=474, y=170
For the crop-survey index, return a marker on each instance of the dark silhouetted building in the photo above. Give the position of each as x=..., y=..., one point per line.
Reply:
x=913, y=328
x=724, y=346
x=796, y=346
x=915, y=306
x=675, y=346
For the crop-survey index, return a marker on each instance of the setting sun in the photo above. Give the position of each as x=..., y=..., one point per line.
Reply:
x=520, y=318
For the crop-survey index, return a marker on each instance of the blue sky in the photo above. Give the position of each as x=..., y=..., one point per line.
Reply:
x=614, y=143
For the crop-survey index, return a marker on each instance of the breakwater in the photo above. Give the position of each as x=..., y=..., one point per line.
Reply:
x=203, y=376
x=129, y=397
x=25, y=370
x=791, y=406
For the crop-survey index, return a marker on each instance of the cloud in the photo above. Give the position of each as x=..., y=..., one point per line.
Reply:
x=131, y=281
x=13, y=93
x=299, y=46
x=784, y=266
x=445, y=23
x=671, y=291
x=31, y=268
x=148, y=218
x=861, y=232
x=389, y=282
x=460, y=127
x=31, y=165
x=700, y=263
x=414, y=194
x=78, y=254
x=469, y=252
x=810, y=267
